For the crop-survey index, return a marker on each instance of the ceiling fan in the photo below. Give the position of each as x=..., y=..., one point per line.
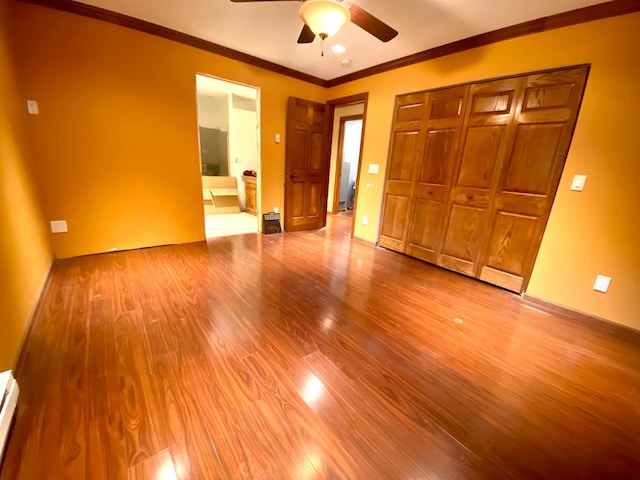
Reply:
x=325, y=18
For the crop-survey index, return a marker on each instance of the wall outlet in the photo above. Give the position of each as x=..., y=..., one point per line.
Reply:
x=276, y=210
x=365, y=220
x=59, y=226
x=32, y=107
x=578, y=183
x=602, y=284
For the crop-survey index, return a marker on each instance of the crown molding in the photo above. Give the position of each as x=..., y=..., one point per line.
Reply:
x=169, y=34
x=544, y=24
x=566, y=19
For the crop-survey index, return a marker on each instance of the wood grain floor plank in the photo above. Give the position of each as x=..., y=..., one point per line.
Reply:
x=311, y=355
x=106, y=448
x=157, y=467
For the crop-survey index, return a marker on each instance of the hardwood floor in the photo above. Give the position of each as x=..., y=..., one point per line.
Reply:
x=308, y=356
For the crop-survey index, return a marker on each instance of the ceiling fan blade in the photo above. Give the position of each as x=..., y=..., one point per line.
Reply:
x=306, y=35
x=371, y=24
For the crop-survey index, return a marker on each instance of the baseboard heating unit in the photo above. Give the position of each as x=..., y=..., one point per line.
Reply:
x=9, y=399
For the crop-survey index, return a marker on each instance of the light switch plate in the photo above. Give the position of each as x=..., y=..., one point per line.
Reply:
x=277, y=138
x=59, y=226
x=578, y=183
x=365, y=220
x=602, y=283
x=374, y=168
x=32, y=107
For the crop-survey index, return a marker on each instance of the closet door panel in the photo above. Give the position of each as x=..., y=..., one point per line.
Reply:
x=462, y=243
x=405, y=153
x=480, y=156
x=485, y=137
x=530, y=176
x=425, y=231
x=393, y=221
x=435, y=167
x=508, y=249
x=430, y=195
x=431, y=191
x=532, y=166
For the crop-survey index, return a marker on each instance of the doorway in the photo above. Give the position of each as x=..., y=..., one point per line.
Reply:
x=346, y=161
x=310, y=167
x=346, y=155
x=229, y=136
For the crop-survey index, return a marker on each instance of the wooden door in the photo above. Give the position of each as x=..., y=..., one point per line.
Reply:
x=485, y=137
x=306, y=166
x=432, y=184
x=483, y=214
x=547, y=113
x=405, y=154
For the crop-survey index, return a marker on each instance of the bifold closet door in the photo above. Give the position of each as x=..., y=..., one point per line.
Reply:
x=405, y=155
x=446, y=109
x=485, y=137
x=546, y=115
x=473, y=171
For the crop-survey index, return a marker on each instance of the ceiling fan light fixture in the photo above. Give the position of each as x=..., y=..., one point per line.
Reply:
x=325, y=18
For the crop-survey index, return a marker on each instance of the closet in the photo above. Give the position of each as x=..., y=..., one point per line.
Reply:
x=473, y=171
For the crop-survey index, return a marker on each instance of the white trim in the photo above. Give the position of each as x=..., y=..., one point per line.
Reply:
x=9, y=391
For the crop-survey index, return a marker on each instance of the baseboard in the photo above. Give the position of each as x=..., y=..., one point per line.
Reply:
x=37, y=308
x=620, y=331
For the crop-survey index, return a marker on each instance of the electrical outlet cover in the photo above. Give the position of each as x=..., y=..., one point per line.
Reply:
x=59, y=226
x=578, y=183
x=602, y=283
x=32, y=107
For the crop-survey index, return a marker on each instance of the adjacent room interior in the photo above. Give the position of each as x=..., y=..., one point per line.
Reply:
x=454, y=294
x=346, y=152
x=228, y=133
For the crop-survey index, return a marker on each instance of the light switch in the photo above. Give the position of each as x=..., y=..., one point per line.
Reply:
x=277, y=138
x=59, y=226
x=374, y=168
x=365, y=220
x=578, y=183
x=602, y=284
x=32, y=107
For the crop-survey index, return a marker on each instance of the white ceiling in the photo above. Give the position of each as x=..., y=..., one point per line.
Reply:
x=269, y=29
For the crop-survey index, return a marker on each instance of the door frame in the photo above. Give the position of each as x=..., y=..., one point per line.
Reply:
x=258, y=91
x=343, y=102
x=339, y=154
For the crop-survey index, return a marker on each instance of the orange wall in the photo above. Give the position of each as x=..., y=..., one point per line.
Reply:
x=116, y=145
x=589, y=233
x=25, y=257
x=115, y=148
